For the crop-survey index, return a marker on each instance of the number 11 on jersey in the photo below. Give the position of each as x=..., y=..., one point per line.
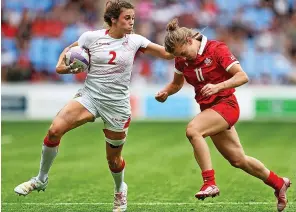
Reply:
x=199, y=75
x=113, y=53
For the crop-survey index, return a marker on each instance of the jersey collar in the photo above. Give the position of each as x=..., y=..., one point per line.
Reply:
x=202, y=45
x=107, y=33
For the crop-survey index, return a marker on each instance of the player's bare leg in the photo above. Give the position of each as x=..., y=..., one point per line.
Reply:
x=228, y=144
x=204, y=124
x=70, y=117
x=114, y=145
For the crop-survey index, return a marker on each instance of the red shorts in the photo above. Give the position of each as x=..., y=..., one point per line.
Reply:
x=226, y=106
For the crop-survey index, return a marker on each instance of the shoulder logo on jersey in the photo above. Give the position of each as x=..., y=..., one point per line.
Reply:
x=125, y=43
x=208, y=61
x=232, y=57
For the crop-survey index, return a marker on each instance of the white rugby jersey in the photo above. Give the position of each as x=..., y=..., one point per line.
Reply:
x=111, y=62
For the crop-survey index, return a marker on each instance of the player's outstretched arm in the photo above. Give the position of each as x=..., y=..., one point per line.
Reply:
x=158, y=51
x=61, y=67
x=171, y=88
x=239, y=77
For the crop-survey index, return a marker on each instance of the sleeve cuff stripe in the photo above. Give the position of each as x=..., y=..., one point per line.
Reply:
x=177, y=71
x=228, y=67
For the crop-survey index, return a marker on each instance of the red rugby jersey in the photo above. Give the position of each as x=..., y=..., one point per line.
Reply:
x=211, y=66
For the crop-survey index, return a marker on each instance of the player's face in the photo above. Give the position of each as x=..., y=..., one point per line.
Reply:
x=187, y=50
x=126, y=20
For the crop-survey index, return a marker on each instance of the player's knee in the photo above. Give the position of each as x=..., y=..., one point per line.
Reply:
x=238, y=162
x=115, y=143
x=54, y=133
x=114, y=135
x=192, y=132
x=115, y=139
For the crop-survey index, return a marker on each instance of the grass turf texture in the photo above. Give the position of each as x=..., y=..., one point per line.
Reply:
x=161, y=172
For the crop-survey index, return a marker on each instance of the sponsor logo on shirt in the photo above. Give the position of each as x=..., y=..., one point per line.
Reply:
x=208, y=61
x=102, y=44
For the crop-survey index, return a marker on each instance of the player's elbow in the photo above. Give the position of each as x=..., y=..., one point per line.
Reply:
x=242, y=77
x=245, y=78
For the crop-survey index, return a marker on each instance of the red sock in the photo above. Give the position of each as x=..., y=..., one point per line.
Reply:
x=209, y=177
x=49, y=143
x=274, y=181
x=117, y=170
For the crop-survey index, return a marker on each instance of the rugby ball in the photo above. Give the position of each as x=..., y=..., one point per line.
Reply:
x=79, y=55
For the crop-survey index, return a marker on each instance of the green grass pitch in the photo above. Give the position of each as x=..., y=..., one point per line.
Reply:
x=161, y=171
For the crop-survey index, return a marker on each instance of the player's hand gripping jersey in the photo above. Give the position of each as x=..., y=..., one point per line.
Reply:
x=210, y=66
x=111, y=62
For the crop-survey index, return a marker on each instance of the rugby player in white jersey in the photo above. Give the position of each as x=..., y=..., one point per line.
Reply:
x=105, y=94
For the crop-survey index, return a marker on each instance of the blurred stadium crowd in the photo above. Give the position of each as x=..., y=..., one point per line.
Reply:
x=261, y=33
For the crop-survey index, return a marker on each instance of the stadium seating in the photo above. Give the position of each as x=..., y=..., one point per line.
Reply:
x=52, y=26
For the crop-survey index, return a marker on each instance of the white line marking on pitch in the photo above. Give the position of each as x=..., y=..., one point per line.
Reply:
x=6, y=139
x=145, y=203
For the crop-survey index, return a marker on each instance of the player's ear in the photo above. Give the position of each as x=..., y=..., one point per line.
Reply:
x=189, y=40
x=114, y=21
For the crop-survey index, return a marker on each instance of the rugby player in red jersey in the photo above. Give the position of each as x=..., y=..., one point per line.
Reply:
x=214, y=72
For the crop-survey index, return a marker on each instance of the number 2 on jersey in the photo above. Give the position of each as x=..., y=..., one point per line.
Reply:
x=113, y=53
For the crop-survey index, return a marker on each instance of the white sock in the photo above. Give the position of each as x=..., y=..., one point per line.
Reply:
x=118, y=180
x=47, y=157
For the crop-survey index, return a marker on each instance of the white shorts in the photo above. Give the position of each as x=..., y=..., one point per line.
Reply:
x=116, y=117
